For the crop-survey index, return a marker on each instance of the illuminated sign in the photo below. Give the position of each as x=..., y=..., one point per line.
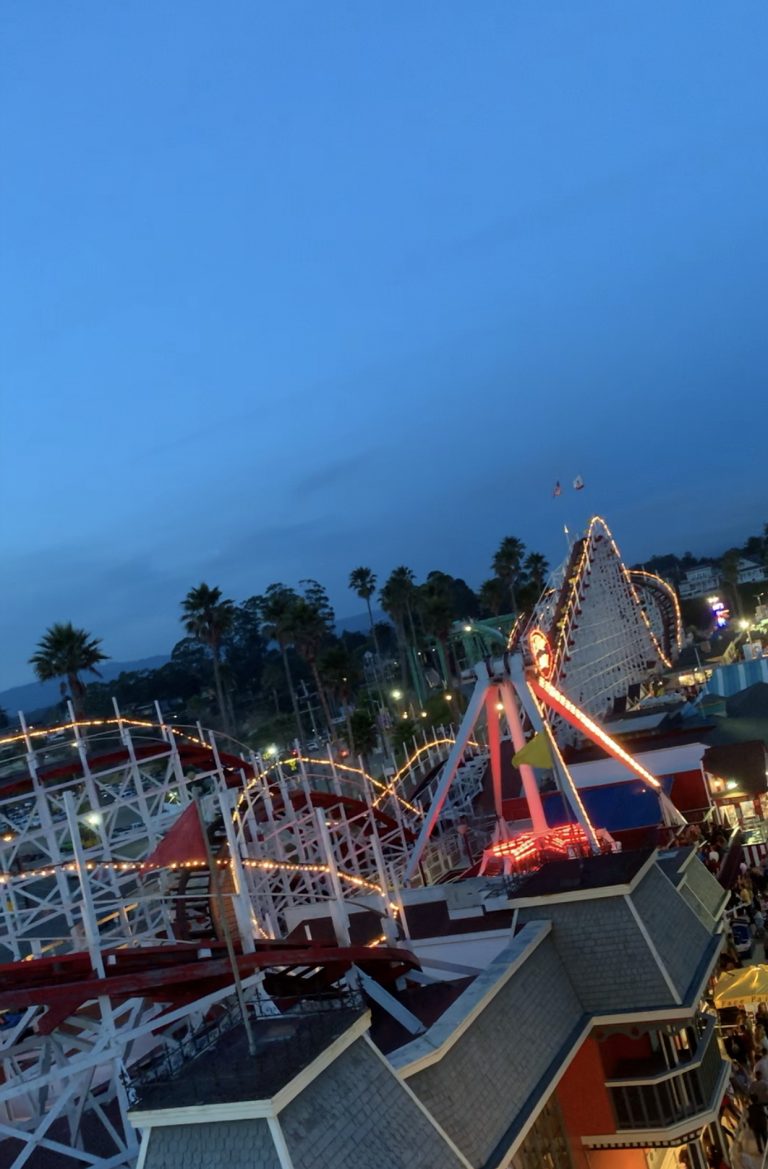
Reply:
x=721, y=614
x=541, y=652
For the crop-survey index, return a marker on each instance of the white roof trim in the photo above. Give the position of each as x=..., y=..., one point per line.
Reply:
x=632, y=1138
x=254, y=1109
x=594, y=894
x=430, y=1048
x=654, y=952
x=419, y=1103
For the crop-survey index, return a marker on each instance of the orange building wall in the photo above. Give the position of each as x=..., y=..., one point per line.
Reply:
x=585, y=1105
x=614, y=1159
x=616, y=1049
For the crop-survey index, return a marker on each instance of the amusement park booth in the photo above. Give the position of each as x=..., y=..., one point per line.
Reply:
x=737, y=778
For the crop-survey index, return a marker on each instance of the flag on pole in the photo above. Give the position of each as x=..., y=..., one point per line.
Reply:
x=558, y=489
x=535, y=753
x=183, y=842
x=578, y=483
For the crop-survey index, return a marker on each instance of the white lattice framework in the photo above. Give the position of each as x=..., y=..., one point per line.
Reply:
x=606, y=625
x=85, y=806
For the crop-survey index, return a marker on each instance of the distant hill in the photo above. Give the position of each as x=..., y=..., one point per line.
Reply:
x=37, y=695
x=359, y=624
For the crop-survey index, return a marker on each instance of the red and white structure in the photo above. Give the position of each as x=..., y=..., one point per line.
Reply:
x=136, y=858
x=111, y=938
x=610, y=628
x=515, y=697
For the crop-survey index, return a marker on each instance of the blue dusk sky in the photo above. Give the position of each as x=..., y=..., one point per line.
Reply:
x=291, y=287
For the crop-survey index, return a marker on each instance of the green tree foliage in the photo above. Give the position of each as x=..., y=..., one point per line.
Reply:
x=494, y=597
x=402, y=734
x=276, y=609
x=340, y=674
x=244, y=648
x=536, y=569
x=437, y=615
x=398, y=597
x=311, y=629
x=208, y=618
x=729, y=567
x=66, y=652
x=362, y=581
x=507, y=565
x=4, y=720
x=362, y=728
x=533, y=578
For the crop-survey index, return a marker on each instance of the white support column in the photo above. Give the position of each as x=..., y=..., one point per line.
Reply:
x=452, y=763
x=127, y=741
x=164, y=731
x=494, y=754
x=184, y=795
x=46, y=823
x=527, y=774
x=241, y=900
x=302, y=765
x=384, y=881
x=338, y=908
x=90, y=785
x=90, y=922
x=334, y=773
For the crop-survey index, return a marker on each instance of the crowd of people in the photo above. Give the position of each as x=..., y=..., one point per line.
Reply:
x=747, y=1046
x=745, y=1037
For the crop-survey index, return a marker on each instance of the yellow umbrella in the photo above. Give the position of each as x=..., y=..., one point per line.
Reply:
x=748, y=985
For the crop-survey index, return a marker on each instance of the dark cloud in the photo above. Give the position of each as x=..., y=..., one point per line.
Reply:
x=347, y=473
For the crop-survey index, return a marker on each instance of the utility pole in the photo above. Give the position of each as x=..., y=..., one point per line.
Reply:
x=221, y=907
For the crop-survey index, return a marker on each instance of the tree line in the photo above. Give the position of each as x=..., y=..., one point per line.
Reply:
x=274, y=666
x=673, y=568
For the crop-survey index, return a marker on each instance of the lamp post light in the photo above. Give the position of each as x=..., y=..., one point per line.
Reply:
x=745, y=627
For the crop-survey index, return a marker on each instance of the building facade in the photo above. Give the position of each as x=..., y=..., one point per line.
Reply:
x=581, y=1044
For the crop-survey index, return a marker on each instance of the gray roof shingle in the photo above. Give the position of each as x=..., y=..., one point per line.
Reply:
x=228, y=1144
x=358, y=1115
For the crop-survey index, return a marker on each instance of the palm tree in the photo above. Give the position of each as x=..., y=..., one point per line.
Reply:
x=438, y=617
x=493, y=596
x=363, y=582
x=536, y=568
x=507, y=564
x=397, y=598
x=310, y=628
x=66, y=652
x=207, y=618
x=340, y=674
x=276, y=607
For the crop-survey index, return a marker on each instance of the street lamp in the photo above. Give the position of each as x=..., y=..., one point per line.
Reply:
x=397, y=695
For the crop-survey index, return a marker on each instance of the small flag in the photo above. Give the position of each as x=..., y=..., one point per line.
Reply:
x=558, y=489
x=535, y=753
x=578, y=483
x=183, y=842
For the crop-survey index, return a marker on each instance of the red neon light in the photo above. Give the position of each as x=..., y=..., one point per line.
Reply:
x=541, y=652
x=527, y=852
x=562, y=705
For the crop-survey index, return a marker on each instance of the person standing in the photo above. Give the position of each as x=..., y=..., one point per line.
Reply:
x=757, y=1121
x=759, y=1088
